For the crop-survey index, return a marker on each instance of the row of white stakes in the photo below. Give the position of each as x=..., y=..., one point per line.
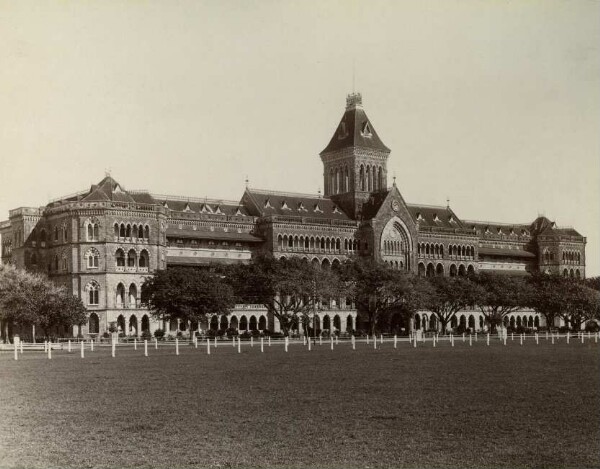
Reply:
x=435, y=339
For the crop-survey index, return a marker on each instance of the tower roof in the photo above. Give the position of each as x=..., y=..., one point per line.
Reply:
x=355, y=129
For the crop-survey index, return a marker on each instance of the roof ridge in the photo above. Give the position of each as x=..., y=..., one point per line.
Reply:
x=291, y=194
x=495, y=223
x=428, y=206
x=182, y=198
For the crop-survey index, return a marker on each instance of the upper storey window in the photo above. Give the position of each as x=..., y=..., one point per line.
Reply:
x=366, y=130
x=93, y=229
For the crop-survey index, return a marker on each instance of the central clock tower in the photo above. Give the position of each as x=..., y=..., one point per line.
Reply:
x=354, y=161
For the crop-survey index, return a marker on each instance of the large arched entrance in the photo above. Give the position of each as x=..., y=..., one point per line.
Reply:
x=395, y=244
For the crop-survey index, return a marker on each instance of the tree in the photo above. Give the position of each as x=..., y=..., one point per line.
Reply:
x=186, y=294
x=31, y=299
x=377, y=289
x=291, y=289
x=499, y=295
x=547, y=296
x=450, y=295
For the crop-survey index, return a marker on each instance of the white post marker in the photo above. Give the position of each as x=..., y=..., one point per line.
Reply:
x=582, y=337
x=155, y=343
x=303, y=340
x=463, y=336
x=537, y=341
x=552, y=339
x=113, y=349
x=269, y=341
x=233, y=342
x=367, y=339
x=546, y=335
x=262, y=345
x=176, y=346
x=195, y=342
x=452, y=340
x=487, y=340
x=286, y=343
x=353, y=343
x=331, y=342
x=92, y=345
x=208, y=347
x=45, y=346
x=69, y=346
x=415, y=342
x=512, y=336
x=21, y=346
x=251, y=341
x=476, y=337
x=215, y=342
x=470, y=340
x=433, y=341
x=49, y=350
x=309, y=344
x=134, y=343
x=239, y=345
x=145, y=348
x=395, y=340
x=16, y=351
x=505, y=340
x=320, y=340
x=82, y=349
x=374, y=341
x=567, y=337
x=521, y=337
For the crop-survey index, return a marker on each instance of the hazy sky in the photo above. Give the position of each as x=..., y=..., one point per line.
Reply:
x=495, y=104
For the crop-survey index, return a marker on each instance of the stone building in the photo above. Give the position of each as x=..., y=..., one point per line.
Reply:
x=101, y=243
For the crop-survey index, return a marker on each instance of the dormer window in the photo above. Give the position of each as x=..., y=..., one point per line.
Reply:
x=487, y=230
x=500, y=231
x=336, y=210
x=268, y=204
x=343, y=132
x=451, y=219
x=436, y=218
x=284, y=206
x=238, y=211
x=317, y=209
x=218, y=210
x=301, y=207
x=187, y=208
x=366, y=130
x=165, y=204
x=206, y=209
x=420, y=217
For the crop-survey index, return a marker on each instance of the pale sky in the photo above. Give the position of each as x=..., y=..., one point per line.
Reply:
x=494, y=104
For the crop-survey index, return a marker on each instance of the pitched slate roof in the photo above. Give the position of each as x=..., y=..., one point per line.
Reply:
x=497, y=229
x=505, y=252
x=435, y=216
x=107, y=190
x=291, y=204
x=355, y=129
x=181, y=260
x=372, y=206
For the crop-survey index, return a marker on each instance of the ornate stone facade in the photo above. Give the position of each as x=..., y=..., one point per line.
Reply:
x=102, y=243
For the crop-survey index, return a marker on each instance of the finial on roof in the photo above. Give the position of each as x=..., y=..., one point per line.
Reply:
x=247, y=182
x=353, y=100
x=447, y=202
x=107, y=172
x=319, y=191
x=394, y=178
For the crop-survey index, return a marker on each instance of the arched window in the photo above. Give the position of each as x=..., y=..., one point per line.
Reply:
x=128, y=231
x=134, y=232
x=131, y=258
x=92, y=257
x=361, y=180
x=93, y=293
x=120, y=295
x=56, y=262
x=346, y=179
x=93, y=324
x=63, y=263
x=56, y=233
x=33, y=259
x=253, y=323
x=144, y=259
x=369, y=179
x=120, y=256
x=122, y=230
x=132, y=300
x=262, y=323
x=116, y=228
x=65, y=234
x=92, y=231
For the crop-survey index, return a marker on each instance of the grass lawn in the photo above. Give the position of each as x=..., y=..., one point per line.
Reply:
x=498, y=406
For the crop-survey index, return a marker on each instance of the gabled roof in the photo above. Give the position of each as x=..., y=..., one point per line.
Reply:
x=291, y=204
x=438, y=216
x=107, y=190
x=355, y=129
x=371, y=207
x=495, y=229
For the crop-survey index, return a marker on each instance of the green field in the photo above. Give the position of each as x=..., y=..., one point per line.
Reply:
x=498, y=406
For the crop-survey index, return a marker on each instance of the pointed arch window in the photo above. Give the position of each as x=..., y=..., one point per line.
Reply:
x=92, y=258
x=93, y=293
